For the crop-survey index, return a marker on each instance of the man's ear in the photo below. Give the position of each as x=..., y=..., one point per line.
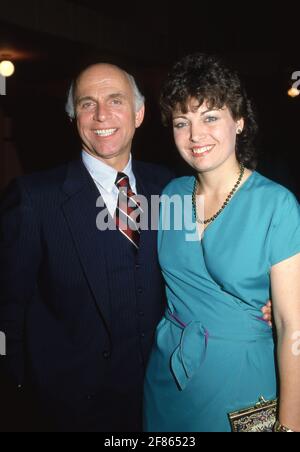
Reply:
x=139, y=117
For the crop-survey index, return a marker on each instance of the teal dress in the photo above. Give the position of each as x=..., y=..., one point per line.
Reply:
x=213, y=353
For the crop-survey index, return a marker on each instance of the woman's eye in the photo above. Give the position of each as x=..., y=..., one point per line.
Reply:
x=180, y=125
x=210, y=119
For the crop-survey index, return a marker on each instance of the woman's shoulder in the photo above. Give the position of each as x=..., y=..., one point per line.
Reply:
x=180, y=186
x=273, y=192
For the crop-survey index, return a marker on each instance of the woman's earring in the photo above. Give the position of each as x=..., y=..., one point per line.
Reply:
x=239, y=131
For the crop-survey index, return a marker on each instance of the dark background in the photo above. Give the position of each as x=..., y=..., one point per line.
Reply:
x=50, y=41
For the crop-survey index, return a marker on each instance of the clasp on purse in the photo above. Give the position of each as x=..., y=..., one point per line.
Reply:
x=262, y=402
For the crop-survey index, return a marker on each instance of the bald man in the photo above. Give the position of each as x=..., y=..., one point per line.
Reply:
x=79, y=303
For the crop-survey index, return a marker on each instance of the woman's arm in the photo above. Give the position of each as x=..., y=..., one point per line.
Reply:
x=285, y=281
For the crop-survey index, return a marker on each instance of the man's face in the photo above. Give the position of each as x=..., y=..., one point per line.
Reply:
x=105, y=113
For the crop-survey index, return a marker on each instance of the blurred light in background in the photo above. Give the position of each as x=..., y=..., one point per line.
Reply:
x=7, y=68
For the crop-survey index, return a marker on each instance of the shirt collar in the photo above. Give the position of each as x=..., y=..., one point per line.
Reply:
x=104, y=174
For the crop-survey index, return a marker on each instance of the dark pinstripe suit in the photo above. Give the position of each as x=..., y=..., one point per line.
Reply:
x=79, y=307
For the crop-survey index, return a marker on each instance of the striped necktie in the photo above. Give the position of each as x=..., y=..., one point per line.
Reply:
x=128, y=211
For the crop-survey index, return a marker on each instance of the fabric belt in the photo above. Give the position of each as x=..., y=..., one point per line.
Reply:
x=191, y=352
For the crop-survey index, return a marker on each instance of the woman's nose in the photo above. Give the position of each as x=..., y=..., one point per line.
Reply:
x=197, y=133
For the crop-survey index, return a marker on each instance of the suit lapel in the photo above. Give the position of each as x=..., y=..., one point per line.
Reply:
x=146, y=187
x=81, y=213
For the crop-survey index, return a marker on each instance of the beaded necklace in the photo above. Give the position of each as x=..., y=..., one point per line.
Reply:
x=210, y=220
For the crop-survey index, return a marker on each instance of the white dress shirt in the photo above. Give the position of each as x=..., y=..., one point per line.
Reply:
x=105, y=177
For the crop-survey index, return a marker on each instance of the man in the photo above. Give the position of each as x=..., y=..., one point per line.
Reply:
x=79, y=306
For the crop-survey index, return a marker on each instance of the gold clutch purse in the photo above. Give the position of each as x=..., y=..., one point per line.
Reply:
x=256, y=419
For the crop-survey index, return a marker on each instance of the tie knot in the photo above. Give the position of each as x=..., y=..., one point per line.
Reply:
x=122, y=181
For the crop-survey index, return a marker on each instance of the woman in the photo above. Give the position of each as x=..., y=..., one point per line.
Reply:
x=213, y=355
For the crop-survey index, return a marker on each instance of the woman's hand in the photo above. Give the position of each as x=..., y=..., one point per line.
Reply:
x=268, y=314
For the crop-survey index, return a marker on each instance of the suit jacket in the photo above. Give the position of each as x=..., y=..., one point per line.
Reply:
x=79, y=307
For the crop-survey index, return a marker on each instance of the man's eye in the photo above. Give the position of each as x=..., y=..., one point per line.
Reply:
x=87, y=105
x=116, y=102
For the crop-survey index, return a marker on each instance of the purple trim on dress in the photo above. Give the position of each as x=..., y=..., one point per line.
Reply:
x=261, y=319
x=184, y=325
x=206, y=334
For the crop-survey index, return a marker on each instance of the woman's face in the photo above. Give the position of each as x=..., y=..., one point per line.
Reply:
x=205, y=138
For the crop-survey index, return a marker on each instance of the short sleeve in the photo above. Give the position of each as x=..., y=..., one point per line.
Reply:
x=285, y=238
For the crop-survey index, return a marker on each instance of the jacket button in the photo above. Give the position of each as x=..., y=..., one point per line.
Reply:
x=140, y=290
x=106, y=355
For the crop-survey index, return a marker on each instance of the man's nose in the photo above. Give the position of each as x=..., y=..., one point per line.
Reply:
x=101, y=113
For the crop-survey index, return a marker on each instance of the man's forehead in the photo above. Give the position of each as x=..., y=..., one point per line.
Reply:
x=102, y=77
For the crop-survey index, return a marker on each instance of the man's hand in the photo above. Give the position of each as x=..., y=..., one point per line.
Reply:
x=267, y=311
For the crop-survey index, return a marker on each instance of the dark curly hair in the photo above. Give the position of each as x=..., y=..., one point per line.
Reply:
x=207, y=78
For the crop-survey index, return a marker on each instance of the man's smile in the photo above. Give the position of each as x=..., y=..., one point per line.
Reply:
x=104, y=132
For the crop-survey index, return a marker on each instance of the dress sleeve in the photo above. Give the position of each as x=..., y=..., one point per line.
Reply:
x=285, y=238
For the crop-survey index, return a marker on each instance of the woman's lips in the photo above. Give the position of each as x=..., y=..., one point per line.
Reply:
x=201, y=151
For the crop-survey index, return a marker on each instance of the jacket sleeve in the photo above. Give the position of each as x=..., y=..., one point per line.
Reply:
x=19, y=263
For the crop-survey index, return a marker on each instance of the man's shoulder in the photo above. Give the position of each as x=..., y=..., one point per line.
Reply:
x=39, y=185
x=44, y=179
